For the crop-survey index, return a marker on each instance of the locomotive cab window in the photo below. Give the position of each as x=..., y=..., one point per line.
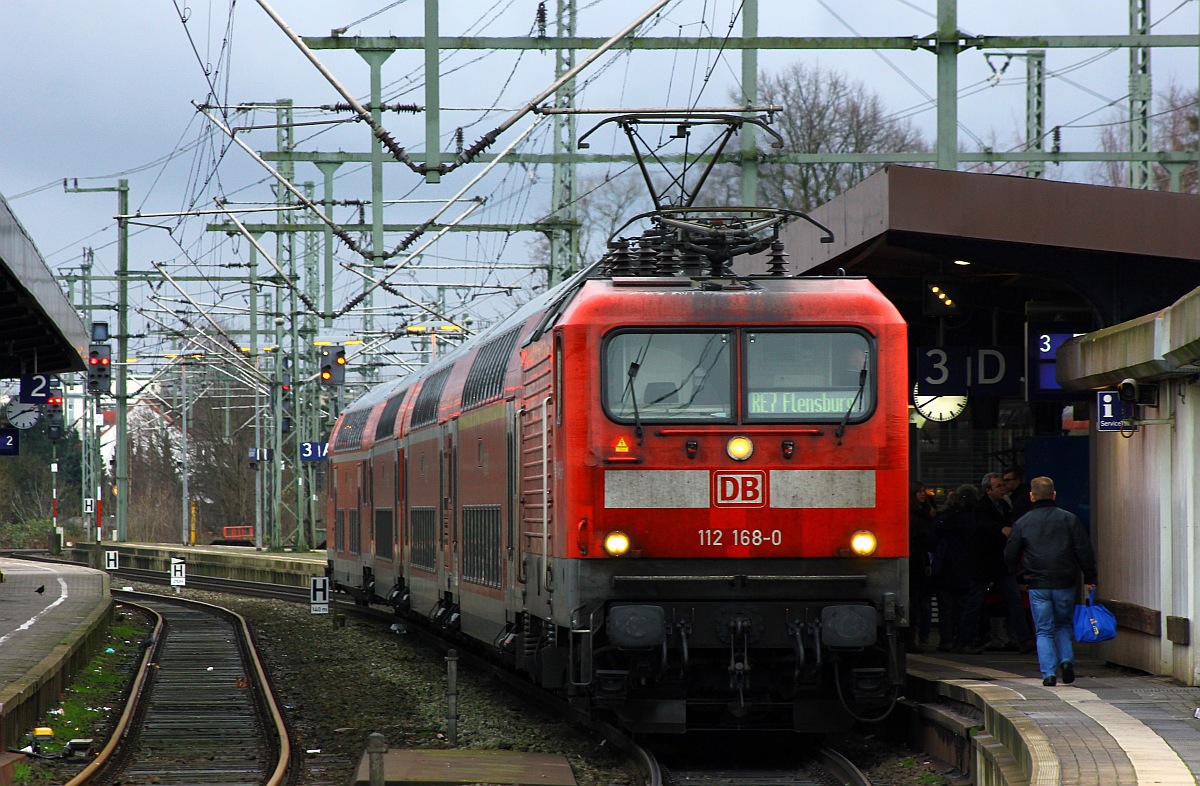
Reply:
x=807, y=376
x=662, y=376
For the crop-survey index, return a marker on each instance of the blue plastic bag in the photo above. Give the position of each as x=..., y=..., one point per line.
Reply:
x=1093, y=622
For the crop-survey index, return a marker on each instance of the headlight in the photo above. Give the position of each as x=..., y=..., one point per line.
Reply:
x=739, y=448
x=863, y=543
x=616, y=544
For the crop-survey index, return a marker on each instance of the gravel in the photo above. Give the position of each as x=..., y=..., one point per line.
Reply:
x=338, y=685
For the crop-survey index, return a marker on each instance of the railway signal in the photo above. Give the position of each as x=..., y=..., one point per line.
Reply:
x=99, y=369
x=54, y=414
x=286, y=406
x=333, y=364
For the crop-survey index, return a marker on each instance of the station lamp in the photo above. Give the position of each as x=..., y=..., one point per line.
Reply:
x=940, y=296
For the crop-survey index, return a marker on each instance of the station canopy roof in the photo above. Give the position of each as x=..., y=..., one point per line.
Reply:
x=1037, y=250
x=40, y=331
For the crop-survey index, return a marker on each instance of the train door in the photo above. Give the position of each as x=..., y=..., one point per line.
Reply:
x=449, y=512
x=365, y=523
x=536, y=499
x=397, y=507
x=514, y=552
x=383, y=506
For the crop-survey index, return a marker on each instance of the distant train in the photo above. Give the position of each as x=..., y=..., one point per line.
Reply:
x=673, y=494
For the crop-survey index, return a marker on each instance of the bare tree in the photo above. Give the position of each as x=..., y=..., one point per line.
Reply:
x=220, y=431
x=1176, y=126
x=605, y=202
x=824, y=111
x=154, y=505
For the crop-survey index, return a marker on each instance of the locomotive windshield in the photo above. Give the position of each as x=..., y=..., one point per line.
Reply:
x=669, y=376
x=807, y=376
x=792, y=376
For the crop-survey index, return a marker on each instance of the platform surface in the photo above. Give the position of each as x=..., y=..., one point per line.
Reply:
x=1108, y=727
x=32, y=623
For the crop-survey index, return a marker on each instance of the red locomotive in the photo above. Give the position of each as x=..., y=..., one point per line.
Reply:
x=670, y=492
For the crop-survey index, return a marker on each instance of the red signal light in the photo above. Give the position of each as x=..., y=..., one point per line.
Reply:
x=53, y=400
x=105, y=361
x=93, y=360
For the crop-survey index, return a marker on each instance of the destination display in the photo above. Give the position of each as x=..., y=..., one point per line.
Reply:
x=802, y=402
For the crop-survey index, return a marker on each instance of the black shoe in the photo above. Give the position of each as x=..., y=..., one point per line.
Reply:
x=1068, y=672
x=1050, y=681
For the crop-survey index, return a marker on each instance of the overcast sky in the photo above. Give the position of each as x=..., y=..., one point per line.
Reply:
x=101, y=91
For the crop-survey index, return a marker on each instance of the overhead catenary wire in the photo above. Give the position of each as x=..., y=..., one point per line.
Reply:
x=487, y=139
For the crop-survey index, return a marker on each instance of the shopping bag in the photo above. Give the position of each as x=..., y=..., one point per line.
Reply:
x=1093, y=622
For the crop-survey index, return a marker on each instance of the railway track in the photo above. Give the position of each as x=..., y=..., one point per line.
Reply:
x=786, y=764
x=200, y=712
x=724, y=761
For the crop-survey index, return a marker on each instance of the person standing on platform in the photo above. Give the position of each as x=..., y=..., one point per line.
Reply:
x=1016, y=490
x=1055, y=549
x=921, y=513
x=993, y=523
x=953, y=568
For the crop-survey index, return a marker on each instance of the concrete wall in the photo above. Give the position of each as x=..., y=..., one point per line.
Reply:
x=1144, y=487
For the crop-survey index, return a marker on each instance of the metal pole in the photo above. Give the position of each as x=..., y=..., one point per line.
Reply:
x=87, y=436
x=452, y=696
x=750, y=97
x=183, y=453
x=947, y=84
x=122, y=453
x=433, y=98
x=375, y=750
x=1035, y=109
x=1140, y=95
x=54, y=498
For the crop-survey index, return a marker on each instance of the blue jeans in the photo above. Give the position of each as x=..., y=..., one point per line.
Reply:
x=1053, y=617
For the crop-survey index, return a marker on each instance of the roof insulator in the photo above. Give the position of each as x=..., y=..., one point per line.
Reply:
x=621, y=263
x=667, y=263
x=777, y=261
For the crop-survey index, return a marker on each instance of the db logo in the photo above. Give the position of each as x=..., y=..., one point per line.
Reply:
x=740, y=489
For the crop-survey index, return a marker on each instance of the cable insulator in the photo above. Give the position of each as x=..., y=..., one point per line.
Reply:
x=621, y=261
x=777, y=261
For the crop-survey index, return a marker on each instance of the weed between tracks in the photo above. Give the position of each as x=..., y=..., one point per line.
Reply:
x=91, y=705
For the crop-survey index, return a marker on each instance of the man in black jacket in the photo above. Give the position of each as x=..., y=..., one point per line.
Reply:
x=1055, y=549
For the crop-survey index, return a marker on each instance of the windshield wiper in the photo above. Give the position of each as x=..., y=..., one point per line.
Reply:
x=631, y=375
x=862, y=384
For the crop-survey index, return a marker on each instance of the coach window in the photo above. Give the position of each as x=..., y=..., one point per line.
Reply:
x=668, y=376
x=807, y=376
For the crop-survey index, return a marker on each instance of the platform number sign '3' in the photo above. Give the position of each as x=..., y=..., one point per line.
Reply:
x=314, y=451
